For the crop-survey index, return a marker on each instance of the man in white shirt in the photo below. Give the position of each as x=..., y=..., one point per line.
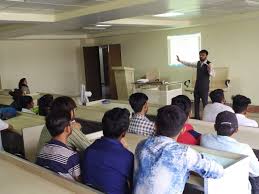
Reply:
x=226, y=125
x=240, y=106
x=218, y=105
x=204, y=71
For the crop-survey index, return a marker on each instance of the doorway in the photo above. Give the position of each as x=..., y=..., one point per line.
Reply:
x=98, y=61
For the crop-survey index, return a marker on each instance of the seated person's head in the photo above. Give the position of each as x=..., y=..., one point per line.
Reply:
x=115, y=123
x=217, y=96
x=240, y=104
x=22, y=82
x=138, y=102
x=226, y=123
x=184, y=103
x=27, y=102
x=65, y=104
x=44, y=104
x=170, y=121
x=58, y=123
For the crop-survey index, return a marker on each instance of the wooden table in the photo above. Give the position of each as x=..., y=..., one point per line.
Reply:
x=21, y=177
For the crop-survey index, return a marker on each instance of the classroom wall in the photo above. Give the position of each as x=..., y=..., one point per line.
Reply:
x=52, y=66
x=234, y=45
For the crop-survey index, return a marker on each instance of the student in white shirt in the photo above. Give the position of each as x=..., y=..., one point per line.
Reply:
x=27, y=104
x=218, y=105
x=240, y=106
x=226, y=125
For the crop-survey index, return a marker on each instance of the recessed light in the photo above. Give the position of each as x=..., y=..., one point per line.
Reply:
x=103, y=25
x=16, y=0
x=93, y=28
x=169, y=14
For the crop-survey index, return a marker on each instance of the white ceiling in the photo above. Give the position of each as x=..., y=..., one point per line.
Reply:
x=37, y=17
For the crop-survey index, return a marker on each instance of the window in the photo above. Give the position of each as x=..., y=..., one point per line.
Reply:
x=187, y=47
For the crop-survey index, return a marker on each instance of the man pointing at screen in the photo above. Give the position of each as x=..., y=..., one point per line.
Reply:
x=204, y=71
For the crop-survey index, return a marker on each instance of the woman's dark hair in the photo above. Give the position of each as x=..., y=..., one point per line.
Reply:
x=137, y=101
x=21, y=83
x=25, y=101
x=240, y=103
x=170, y=120
x=63, y=103
x=183, y=102
x=56, y=122
x=44, y=104
x=115, y=122
x=217, y=96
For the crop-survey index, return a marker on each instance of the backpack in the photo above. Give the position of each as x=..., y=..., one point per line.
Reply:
x=7, y=113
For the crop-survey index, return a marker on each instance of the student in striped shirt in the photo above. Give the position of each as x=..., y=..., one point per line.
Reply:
x=55, y=155
x=77, y=140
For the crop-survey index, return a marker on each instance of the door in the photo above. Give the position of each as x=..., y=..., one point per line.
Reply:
x=92, y=72
x=114, y=59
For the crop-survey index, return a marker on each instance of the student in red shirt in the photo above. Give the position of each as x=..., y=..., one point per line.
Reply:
x=188, y=135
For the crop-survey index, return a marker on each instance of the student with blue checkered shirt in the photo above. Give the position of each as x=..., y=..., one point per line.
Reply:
x=55, y=155
x=139, y=123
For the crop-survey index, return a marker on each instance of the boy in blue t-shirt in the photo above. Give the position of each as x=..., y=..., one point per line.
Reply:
x=107, y=164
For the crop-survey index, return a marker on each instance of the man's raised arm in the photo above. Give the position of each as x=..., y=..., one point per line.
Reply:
x=189, y=64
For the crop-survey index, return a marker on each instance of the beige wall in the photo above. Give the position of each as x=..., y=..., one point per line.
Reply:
x=53, y=66
x=230, y=44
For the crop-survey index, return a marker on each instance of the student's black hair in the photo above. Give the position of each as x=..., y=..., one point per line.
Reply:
x=137, y=101
x=56, y=122
x=17, y=98
x=25, y=101
x=115, y=122
x=204, y=51
x=170, y=120
x=63, y=103
x=21, y=83
x=44, y=104
x=183, y=102
x=227, y=128
x=240, y=103
x=217, y=96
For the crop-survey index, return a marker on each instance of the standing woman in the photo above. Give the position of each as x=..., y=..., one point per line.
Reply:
x=23, y=86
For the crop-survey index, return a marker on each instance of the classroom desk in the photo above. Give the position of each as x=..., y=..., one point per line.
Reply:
x=14, y=141
x=101, y=106
x=235, y=179
x=94, y=112
x=25, y=120
x=20, y=176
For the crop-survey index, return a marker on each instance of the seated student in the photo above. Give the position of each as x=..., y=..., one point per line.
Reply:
x=240, y=106
x=27, y=104
x=17, y=97
x=188, y=135
x=226, y=125
x=139, y=123
x=55, y=155
x=23, y=86
x=218, y=105
x=3, y=126
x=107, y=164
x=44, y=104
x=163, y=165
x=77, y=140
